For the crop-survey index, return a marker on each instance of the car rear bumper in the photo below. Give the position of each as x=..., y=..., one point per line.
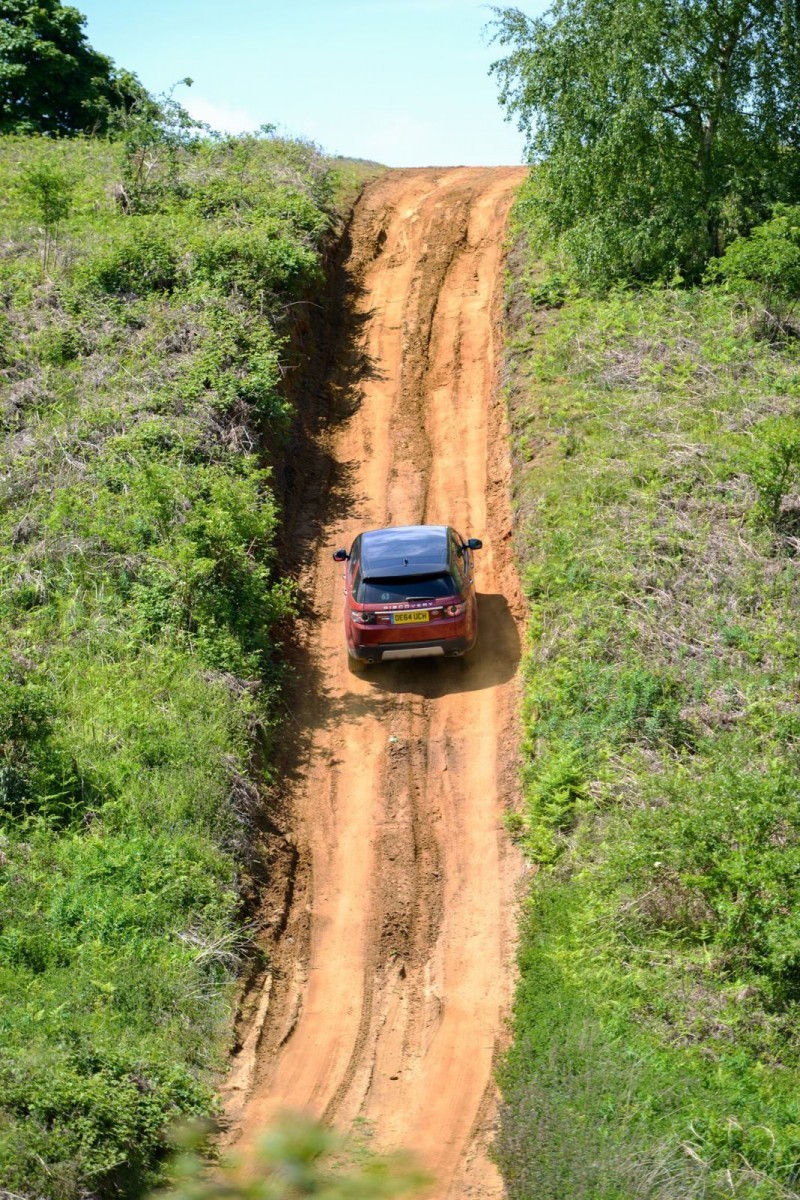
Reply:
x=389, y=651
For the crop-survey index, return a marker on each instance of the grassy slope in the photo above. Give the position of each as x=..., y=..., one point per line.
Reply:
x=656, y=1047
x=138, y=613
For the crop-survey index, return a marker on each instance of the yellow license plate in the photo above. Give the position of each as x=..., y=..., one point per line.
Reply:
x=411, y=618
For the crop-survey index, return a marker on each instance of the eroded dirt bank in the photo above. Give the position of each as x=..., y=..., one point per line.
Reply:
x=391, y=968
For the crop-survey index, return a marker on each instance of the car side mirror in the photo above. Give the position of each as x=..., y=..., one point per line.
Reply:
x=475, y=543
x=340, y=556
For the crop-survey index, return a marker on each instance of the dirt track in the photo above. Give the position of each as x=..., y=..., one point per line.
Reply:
x=392, y=969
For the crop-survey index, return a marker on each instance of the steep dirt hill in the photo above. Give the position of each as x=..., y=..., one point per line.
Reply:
x=392, y=964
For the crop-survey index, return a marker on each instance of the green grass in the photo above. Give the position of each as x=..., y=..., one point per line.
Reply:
x=140, y=602
x=655, y=1047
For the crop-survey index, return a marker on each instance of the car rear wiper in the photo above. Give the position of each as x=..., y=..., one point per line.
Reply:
x=409, y=598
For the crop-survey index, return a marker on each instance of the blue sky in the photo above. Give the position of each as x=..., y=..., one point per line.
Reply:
x=400, y=81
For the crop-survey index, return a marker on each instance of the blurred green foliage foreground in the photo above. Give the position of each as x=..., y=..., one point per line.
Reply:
x=296, y=1158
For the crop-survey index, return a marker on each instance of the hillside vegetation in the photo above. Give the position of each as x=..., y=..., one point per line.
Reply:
x=657, y=447
x=147, y=297
x=654, y=366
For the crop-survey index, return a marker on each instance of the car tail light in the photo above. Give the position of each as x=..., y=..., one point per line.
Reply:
x=454, y=610
x=363, y=618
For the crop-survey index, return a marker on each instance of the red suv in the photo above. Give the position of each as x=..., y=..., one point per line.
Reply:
x=409, y=593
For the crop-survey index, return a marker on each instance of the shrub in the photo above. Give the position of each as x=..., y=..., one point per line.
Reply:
x=57, y=345
x=255, y=262
x=141, y=261
x=555, y=787
x=48, y=191
x=38, y=777
x=772, y=461
x=238, y=362
x=97, y=1108
x=764, y=269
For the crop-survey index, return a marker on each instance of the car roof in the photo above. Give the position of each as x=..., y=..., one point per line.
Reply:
x=404, y=550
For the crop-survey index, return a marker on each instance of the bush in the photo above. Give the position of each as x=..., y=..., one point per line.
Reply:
x=97, y=1109
x=737, y=853
x=255, y=263
x=238, y=363
x=141, y=261
x=281, y=208
x=764, y=269
x=38, y=777
x=772, y=461
x=57, y=345
x=49, y=193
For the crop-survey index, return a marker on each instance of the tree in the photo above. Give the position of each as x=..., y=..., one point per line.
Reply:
x=663, y=127
x=49, y=191
x=51, y=80
x=154, y=131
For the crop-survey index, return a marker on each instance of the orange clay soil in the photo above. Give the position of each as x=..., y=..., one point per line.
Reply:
x=392, y=965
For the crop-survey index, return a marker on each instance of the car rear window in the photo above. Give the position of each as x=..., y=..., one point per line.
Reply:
x=409, y=587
